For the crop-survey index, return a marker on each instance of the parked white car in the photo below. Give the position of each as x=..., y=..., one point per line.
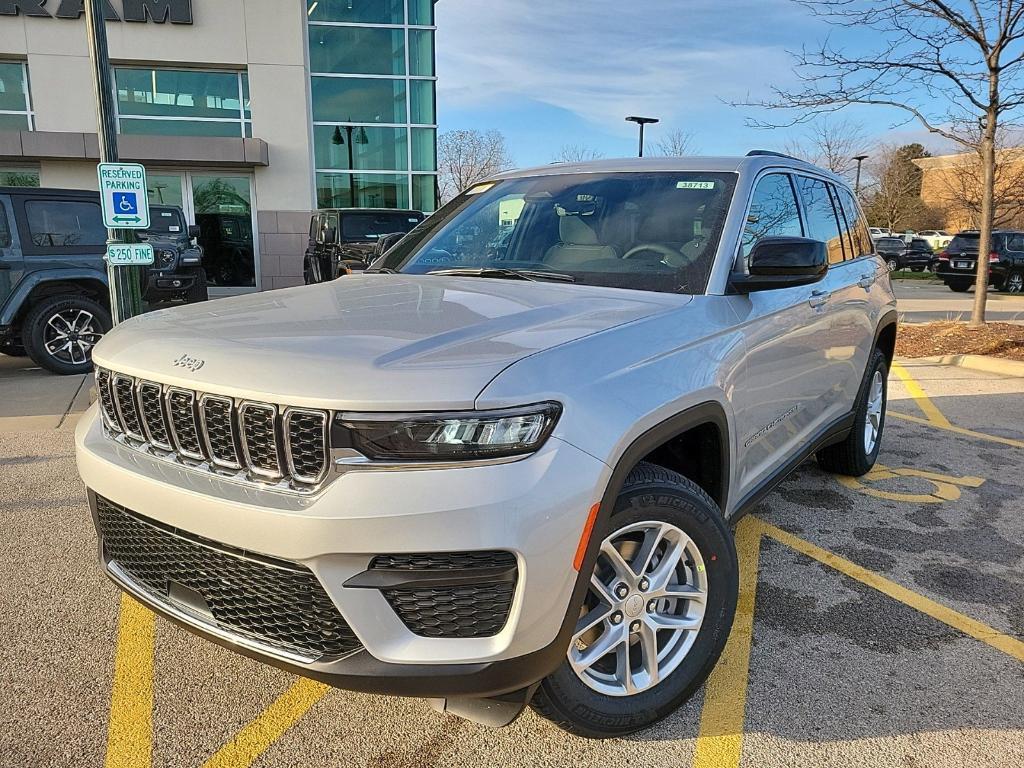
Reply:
x=936, y=238
x=877, y=232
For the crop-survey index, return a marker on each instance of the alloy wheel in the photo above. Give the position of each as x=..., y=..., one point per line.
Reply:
x=643, y=611
x=893, y=265
x=1015, y=282
x=873, y=417
x=70, y=335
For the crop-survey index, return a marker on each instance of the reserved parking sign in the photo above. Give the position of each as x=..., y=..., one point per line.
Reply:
x=123, y=193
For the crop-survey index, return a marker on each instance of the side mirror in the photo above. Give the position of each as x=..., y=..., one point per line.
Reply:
x=782, y=262
x=194, y=231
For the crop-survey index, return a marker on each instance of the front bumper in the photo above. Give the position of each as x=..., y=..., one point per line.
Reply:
x=169, y=284
x=535, y=508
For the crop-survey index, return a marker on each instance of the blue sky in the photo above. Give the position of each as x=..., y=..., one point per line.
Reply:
x=547, y=73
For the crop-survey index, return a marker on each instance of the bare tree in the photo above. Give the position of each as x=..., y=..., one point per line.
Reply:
x=830, y=144
x=576, y=153
x=954, y=66
x=893, y=196
x=465, y=157
x=676, y=144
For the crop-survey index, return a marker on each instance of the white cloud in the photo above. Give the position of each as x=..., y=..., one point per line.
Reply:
x=603, y=60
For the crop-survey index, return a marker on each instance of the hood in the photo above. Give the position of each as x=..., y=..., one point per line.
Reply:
x=368, y=342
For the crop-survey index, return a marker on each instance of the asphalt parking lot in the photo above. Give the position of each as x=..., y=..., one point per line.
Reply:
x=923, y=301
x=881, y=624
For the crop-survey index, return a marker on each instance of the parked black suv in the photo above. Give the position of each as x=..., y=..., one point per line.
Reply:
x=900, y=254
x=342, y=240
x=54, y=301
x=958, y=263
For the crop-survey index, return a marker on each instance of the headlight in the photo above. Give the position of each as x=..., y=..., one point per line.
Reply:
x=465, y=435
x=166, y=258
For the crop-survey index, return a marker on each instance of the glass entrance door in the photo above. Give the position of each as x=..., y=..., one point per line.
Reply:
x=221, y=204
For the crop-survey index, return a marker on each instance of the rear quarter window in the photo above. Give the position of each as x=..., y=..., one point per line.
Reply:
x=65, y=223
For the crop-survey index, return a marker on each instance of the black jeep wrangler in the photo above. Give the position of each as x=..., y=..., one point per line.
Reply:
x=343, y=240
x=54, y=300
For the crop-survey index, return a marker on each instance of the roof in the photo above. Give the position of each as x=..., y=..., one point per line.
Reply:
x=404, y=211
x=749, y=163
x=47, y=191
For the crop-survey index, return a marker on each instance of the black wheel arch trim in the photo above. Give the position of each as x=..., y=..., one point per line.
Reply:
x=17, y=301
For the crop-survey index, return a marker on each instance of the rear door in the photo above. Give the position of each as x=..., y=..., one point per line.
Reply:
x=12, y=263
x=780, y=405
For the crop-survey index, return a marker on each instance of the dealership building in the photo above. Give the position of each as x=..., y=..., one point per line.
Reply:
x=249, y=114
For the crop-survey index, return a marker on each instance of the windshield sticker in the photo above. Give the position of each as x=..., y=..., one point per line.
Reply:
x=173, y=228
x=695, y=185
x=479, y=188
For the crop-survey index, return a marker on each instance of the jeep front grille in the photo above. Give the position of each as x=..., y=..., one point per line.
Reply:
x=274, y=603
x=258, y=442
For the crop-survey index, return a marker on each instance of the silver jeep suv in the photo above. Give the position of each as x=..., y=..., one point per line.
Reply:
x=499, y=468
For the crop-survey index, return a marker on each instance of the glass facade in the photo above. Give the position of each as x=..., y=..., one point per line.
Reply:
x=374, y=114
x=15, y=101
x=182, y=102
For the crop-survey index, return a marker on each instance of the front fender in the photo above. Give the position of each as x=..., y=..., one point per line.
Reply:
x=31, y=281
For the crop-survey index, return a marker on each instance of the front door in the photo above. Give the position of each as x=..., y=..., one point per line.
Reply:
x=779, y=405
x=12, y=264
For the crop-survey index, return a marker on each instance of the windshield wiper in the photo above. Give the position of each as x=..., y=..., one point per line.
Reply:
x=506, y=273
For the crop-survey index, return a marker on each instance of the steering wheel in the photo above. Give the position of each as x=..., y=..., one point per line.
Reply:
x=662, y=250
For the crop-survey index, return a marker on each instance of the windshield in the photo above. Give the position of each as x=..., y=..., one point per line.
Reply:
x=646, y=231
x=165, y=221
x=363, y=227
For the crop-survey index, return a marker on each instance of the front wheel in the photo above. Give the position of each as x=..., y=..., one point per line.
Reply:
x=200, y=290
x=893, y=264
x=661, y=603
x=857, y=454
x=59, y=333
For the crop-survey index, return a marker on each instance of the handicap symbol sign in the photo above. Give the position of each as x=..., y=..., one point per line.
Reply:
x=126, y=203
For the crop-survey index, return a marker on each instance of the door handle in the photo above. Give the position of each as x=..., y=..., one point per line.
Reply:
x=866, y=281
x=819, y=298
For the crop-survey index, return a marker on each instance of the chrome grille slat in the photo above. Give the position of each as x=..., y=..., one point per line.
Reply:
x=181, y=409
x=258, y=422
x=154, y=420
x=305, y=437
x=287, y=449
x=123, y=390
x=106, y=398
x=219, y=431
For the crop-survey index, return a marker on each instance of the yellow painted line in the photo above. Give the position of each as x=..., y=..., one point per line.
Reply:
x=945, y=485
x=255, y=738
x=923, y=401
x=957, y=430
x=996, y=639
x=130, y=733
x=720, y=739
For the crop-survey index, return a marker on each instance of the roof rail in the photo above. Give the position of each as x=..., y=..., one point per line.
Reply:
x=770, y=153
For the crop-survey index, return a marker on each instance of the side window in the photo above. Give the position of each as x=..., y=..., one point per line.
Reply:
x=822, y=223
x=65, y=223
x=862, y=243
x=5, y=228
x=331, y=222
x=1015, y=243
x=773, y=211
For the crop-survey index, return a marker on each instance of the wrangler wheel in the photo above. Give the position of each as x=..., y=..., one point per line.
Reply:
x=59, y=333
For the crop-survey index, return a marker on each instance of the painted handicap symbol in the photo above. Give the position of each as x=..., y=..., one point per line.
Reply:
x=944, y=487
x=126, y=202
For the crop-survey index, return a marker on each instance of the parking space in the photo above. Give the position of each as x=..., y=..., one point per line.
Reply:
x=881, y=623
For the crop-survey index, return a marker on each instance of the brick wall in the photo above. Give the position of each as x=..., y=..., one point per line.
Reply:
x=284, y=236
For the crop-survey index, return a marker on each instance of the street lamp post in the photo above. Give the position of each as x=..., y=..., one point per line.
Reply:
x=860, y=159
x=642, y=121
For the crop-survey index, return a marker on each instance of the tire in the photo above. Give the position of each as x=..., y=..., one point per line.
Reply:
x=79, y=319
x=893, y=264
x=855, y=456
x=1014, y=282
x=917, y=269
x=199, y=291
x=959, y=286
x=651, y=497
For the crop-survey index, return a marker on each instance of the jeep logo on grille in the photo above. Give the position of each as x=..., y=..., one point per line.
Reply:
x=192, y=363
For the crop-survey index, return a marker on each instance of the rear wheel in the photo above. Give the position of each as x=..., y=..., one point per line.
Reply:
x=659, y=610
x=857, y=454
x=959, y=286
x=893, y=264
x=1014, y=282
x=59, y=333
x=917, y=269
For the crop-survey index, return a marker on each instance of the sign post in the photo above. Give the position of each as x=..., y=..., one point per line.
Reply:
x=125, y=293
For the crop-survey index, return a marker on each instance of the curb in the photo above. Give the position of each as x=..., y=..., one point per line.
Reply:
x=984, y=363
